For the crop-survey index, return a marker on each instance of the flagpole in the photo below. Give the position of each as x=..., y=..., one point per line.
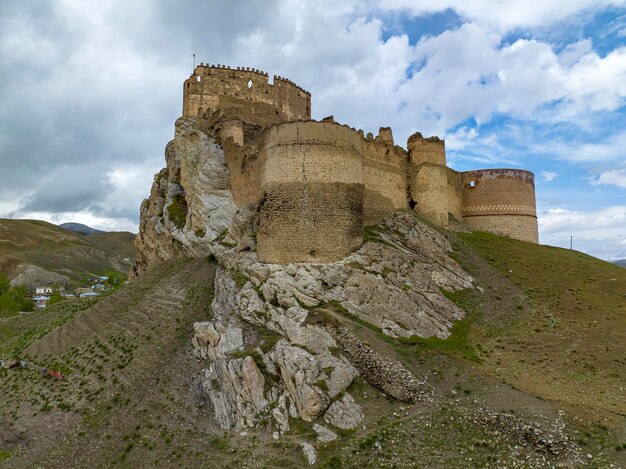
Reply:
x=194, y=62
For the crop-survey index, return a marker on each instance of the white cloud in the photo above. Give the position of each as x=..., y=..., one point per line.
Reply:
x=610, y=150
x=614, y=178
x=361, y=78
x=86, y=218
x=549, y=175
x=601, y=232
x=503, y=14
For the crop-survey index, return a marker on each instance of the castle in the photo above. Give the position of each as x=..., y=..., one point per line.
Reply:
x=318, y=184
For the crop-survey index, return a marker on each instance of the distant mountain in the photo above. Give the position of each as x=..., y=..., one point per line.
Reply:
x=80, y=228
x=621, y=263
x=36, y=253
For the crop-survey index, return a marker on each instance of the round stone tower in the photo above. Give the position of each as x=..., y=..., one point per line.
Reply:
x=311, y=207
x=428, y=178
x=501, y=201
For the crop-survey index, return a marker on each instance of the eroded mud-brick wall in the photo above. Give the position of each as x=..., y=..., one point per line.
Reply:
x=455, y=194
x=501, y=201
x=384, y=177
x=311, y=207
x=428, y=178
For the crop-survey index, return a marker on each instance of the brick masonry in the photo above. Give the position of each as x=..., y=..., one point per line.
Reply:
x=318, y=184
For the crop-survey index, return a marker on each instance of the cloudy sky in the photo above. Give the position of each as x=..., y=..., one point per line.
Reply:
x=90, y=90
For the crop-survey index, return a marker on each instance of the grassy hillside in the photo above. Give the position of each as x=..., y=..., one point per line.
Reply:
x=37, y=252
x=34, y=235
x=119, y=242
x=543, y=344
x=571, y=345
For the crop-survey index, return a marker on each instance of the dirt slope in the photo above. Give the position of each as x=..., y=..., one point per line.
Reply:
x=541, y=352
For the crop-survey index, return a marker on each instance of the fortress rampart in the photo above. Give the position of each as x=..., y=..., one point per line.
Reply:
x=318, y=184
x=384, y=177
x=311, y=209
x=501, y=201
x=428, y=178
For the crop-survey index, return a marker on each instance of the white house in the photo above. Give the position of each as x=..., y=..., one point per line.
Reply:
x=43, y=290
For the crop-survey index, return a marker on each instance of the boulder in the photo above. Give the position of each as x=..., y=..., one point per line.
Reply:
x=344, y=413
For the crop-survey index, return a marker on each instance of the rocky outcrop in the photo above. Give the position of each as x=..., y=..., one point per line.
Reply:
x=300, y=378
x=275, y=344
x=344, y=413
x=393, y=282
x=324, y=434
x=190, y=202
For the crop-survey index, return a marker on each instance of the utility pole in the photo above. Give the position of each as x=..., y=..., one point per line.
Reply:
x=571, y=243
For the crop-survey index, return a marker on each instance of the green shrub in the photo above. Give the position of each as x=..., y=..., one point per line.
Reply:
x=56, y=298
x=177, y=211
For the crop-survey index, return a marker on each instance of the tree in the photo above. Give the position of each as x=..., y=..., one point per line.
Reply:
x=56, y=298
x=13, y=299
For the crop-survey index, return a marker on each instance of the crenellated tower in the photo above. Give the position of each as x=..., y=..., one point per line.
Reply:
x=428, y=178
x=244, y=93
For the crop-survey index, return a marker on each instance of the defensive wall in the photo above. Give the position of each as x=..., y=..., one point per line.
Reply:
x=501, y=201
x=384, y=177
x=455, y=194
x=311, y=209
x=318, y=184
x=428, y=178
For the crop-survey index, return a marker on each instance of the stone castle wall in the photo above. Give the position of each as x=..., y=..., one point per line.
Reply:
x=428, y=178
x=455, y=194
x=501, y=201
x=246, y=93
x=311, y=209
x=318, y=184
x=384, y=178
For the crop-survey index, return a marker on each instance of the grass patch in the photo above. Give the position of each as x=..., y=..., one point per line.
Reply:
x=239, y=278
x=570, y=336
x=300, y=427
x=457, y=343
x=269, y=339
x=177, y=211
x=336, y=306
x=371, y=234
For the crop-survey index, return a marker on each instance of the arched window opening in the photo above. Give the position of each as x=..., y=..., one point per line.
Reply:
x=249, y=84
x=198, y=79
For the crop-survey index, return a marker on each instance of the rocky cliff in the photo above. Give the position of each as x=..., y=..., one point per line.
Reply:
x=276, y=344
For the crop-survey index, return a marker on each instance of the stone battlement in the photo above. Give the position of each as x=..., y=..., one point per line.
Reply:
x=317, y=184
x=245, y=91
